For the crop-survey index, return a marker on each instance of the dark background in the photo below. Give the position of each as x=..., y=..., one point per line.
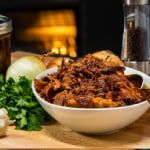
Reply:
x=100, y=22
x=103, y=25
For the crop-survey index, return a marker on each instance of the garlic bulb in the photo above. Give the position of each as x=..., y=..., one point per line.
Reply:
x=4, y=121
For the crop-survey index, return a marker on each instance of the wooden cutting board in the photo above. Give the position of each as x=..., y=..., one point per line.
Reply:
x=56, y=136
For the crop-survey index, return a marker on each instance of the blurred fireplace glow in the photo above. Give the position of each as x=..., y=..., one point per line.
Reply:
x=54, y=31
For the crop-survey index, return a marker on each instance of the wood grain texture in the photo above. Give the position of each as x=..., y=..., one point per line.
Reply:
x=56, y=136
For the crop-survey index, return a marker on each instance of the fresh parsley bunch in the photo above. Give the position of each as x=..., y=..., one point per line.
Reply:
x=22, y=106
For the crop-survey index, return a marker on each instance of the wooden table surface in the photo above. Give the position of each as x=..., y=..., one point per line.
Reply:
x=56, y=136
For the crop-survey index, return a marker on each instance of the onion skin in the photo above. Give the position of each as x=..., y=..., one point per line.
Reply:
x=28, y=66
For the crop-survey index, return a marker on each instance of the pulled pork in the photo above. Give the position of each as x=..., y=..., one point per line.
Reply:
x=89, y=82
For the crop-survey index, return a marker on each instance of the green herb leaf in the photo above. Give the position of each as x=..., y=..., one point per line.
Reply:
x=22, y=106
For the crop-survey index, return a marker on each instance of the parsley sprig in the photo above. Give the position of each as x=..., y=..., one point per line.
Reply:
x=22, y=106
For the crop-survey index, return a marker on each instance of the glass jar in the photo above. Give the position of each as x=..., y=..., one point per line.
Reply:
x=5, y=43
x=136, y=36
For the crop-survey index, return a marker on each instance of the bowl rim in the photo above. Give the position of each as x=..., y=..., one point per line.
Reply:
x=39, y=98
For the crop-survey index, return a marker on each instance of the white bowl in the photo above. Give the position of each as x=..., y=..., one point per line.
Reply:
x=94, y=120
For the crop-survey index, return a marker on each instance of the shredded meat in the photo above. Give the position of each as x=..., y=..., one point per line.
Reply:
x=89, y=82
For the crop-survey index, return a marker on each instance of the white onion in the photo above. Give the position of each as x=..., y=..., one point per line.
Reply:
x=28, y=66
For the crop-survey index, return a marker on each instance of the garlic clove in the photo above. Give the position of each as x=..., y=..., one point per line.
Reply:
x=3, y=113
x=4, y=121
x=3, y=127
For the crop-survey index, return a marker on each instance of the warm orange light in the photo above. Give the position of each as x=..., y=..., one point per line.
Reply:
x=55, y=30
x=63, y=50
x=55, y=50
x=72, y=52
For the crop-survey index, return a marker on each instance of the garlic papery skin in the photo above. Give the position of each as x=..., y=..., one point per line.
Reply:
x=4, y=122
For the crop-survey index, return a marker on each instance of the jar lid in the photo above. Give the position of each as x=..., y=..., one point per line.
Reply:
x=5, y=25
x=136, y=2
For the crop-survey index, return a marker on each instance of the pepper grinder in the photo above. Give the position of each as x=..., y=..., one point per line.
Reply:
x=136, y=37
